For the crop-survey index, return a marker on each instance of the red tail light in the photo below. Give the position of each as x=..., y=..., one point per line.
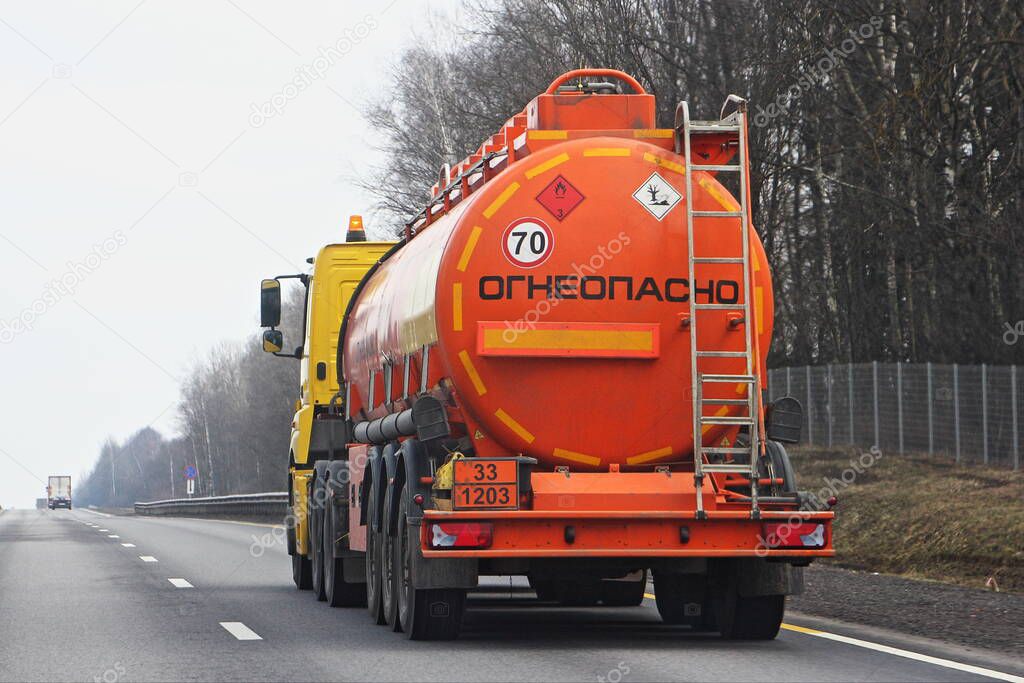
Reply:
x=802, y=535
x=461, y=535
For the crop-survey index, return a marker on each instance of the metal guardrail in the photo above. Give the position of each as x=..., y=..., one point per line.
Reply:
x=268, y=504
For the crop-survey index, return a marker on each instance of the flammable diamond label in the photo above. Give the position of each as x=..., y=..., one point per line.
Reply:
x=560, y=197
x=657, y=196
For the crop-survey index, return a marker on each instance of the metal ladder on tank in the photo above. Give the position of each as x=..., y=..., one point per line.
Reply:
x=735, y=125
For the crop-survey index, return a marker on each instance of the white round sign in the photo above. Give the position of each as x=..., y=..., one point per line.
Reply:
x=527, y=242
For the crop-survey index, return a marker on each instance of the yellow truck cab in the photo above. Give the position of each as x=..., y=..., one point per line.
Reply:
x=318, y=427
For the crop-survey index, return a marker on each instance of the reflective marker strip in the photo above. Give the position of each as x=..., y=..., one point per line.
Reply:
x=180, y=583
x=519, y=429
x=949, y=664
x=501, y=199
x=240, y=630
x=474, y=376
x=649, y=455
x=576, y=457
x=467, y=251
x=664, y=163
x=547, y=166
x=606, y=152
x=457, y=307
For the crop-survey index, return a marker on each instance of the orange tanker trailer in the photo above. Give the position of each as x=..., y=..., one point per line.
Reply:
x=558, y=372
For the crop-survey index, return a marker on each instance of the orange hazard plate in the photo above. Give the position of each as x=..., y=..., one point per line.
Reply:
x=483, y=483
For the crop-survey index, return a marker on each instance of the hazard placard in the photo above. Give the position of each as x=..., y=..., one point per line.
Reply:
x=560, y=197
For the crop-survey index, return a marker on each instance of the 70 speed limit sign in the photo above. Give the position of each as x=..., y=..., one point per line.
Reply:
x=527, y=242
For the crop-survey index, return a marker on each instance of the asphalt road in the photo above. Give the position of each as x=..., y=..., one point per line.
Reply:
x=77, y=604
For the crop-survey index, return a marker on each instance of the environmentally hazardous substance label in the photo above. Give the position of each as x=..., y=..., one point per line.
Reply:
x=527, y=242
x=657, y=196
x=560, y=197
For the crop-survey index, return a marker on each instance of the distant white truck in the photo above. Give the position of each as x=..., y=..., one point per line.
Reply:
x=58, y=492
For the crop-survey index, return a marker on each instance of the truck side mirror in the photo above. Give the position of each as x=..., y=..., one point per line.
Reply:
x=270, y=304
x=273, y=341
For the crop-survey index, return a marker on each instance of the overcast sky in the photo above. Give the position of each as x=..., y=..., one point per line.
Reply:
x=157, y=160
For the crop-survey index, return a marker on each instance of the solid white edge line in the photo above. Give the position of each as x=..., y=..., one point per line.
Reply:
x=148, y=558
x=180, y=583
x=240, y=630
x=93, y=512
x=947, y=663
x=938, y=661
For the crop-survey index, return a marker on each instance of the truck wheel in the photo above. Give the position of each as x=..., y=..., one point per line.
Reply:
x=338, y=591
x=753, y=618
x=389, y=578
x=682, y=599
x=302, y=572
x=373, y=562
x=424, y=613
x=619, y=593
x=315, y=521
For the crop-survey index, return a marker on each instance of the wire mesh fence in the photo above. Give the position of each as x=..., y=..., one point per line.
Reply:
x=972, y=413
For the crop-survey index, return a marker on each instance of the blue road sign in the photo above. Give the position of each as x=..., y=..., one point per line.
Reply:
x=190, y=472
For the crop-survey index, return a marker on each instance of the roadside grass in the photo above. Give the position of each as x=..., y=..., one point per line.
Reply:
x=922, y=516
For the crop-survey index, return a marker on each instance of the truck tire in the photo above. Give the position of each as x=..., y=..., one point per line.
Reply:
x=374, y=550
x=302, y=572
x=315, y=521
x=423, y=614
x=752, y=618
x=337, y=591
x=388, y=578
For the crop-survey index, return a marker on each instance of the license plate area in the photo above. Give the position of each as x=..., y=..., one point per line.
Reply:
x=485, y=483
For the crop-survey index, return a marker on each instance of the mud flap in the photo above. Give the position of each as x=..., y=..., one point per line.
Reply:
x=439, y=572
x=755, y=577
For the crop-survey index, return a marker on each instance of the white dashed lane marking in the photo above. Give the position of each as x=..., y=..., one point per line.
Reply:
x=113, y=536
x=240, y=630
x=180, y=583
x=147, y=558
x=128, y=545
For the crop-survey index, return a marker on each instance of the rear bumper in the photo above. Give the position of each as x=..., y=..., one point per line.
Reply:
x=531, y=533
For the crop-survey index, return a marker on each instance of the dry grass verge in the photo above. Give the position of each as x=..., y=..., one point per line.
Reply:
x=920, y=516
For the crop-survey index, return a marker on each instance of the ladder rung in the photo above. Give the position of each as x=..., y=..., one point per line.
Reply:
x=725, y=420
x=742, y=469
x=718, y=214
x=720, y=307
x=722, y=354
x=716, y=167
x=724, y=401
x=734, y=450
x=713, y=127
x=718, y=259
x=739, y=379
